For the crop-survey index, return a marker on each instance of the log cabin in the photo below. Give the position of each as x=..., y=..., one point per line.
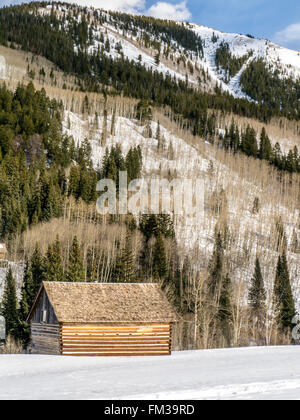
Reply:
x=101, y=319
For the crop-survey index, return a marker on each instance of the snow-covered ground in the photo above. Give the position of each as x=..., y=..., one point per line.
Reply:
x=283, y=59
x=245, y=373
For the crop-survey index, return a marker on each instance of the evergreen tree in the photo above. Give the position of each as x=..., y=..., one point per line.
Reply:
x=133, y=163
x=125, y=269
x=265, y=147
x=155, y=225
x=27, y=298
x=53, y=262
x=224, y=313
x=249, y=143
x=27, y=293
x=75, y=271
x=283, y=297
x=144, y=112
x=257, y=293
x=224, y=308
x=216, y=267
x=37, y=269
x=10, y=305
x=159, y=259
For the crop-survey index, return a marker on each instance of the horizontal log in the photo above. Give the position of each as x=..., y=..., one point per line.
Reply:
x=124, y=354
x=77, y=334
x=145, y=342
x=46, y=350
x=114, y=346
x=48, y=330
x=45, y=337
x=48, y=327
x=45, y=340
x=117, y=325
x=114, y=330
x=45, y=333
x=100, y=340
x=46, y=345
x=111, y=351
x=44, y=325
x=112, y=340
x=50, y=333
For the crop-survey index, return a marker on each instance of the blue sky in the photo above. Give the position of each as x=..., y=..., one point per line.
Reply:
x=276, y=20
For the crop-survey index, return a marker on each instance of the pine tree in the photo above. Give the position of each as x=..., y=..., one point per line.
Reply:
x=53, y=262
x=27, y=293
x=75, y=271
x=283, y=297
x=10, y=305
x=224, y=313
x=249, y=143
x=37, y=268
x=125, y=270
x=234, y=137
x=224, y=308
x=257, y=293
x=27, y=298
x=216, y=267
x=265, y=147
x=159, y=259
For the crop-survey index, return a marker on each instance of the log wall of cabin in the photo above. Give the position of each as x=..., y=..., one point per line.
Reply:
x=45, y=338
x=45, y=329
x=115, y=340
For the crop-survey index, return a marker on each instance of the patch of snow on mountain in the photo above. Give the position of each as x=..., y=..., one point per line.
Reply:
x=17, y=271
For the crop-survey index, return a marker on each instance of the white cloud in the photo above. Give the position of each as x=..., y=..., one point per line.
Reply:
x=163, y=10
x=288, y=36
x=128, y=6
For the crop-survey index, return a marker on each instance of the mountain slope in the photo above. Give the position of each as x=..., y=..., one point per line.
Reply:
x=99, y=46
x=138, y=43
x=286, y=61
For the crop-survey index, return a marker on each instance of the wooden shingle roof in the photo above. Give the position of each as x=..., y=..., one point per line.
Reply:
x=108, y=302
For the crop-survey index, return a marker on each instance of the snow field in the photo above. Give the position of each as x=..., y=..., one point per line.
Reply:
x=244, y=373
